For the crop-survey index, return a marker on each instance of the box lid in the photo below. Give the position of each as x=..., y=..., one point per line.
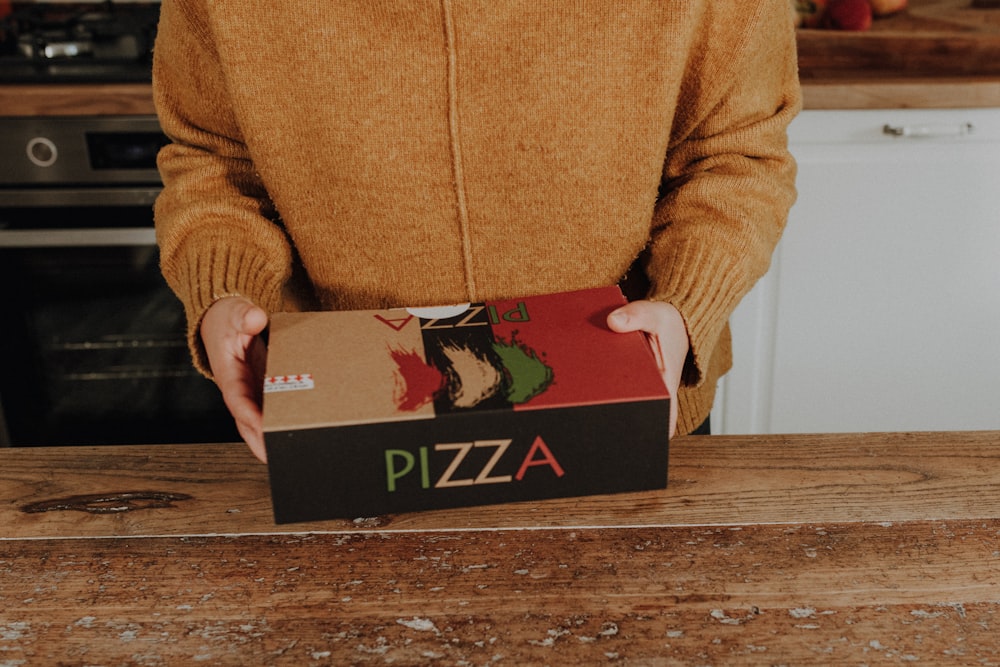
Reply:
x=540, y=352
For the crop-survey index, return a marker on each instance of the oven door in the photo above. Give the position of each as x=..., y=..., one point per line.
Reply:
x=93, y=341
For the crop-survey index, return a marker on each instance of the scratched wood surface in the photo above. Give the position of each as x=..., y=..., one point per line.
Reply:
x=728, y=480
x=826, y=549
x=795, y=594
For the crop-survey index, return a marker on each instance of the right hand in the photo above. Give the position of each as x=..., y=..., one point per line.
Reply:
x=665, y=325
x=230, y=332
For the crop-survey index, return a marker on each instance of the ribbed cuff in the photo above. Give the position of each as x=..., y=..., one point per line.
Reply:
x=697, y=279
x=204, y=272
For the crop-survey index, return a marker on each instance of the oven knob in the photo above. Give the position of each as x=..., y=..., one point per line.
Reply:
x=42, y=152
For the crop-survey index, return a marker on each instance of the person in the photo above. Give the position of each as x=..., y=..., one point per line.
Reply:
x=368, y=154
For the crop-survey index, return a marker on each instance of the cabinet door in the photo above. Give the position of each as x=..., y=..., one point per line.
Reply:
x=881, y=311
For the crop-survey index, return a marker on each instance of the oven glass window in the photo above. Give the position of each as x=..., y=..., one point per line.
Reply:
x=95, y=352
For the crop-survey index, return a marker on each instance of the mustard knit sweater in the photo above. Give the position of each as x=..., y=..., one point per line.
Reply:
x=374, y=153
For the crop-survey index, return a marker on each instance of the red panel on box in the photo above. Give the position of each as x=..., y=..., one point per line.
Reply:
x=581, y=373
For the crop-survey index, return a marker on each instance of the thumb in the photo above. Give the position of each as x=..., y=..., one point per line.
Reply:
x=248, y=318
x=630, y=317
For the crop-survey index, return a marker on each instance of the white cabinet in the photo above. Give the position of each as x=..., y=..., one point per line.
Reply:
x=881, y=311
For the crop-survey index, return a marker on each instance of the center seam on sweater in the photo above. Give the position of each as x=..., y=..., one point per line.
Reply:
x=456, y=147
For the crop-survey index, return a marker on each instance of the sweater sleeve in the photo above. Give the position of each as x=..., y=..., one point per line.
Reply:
x=217, y=231
x=728, y=180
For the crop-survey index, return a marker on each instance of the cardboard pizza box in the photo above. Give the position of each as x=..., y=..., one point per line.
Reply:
x=375, y=412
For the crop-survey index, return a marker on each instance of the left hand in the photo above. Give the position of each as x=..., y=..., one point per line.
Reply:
x=230, y=331
x=665, y=326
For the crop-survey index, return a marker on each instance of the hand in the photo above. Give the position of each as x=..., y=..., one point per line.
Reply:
x=236, y=355
x=665, y=327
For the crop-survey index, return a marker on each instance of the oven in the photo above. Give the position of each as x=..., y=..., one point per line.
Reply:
x=92, y=341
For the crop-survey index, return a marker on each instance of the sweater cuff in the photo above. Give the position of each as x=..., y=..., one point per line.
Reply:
x=700, y=283
x=203, y=273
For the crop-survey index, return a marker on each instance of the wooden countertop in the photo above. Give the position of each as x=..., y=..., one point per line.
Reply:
x=59, y=99
x=825, y=549
x=870, y=91
x=930, y=38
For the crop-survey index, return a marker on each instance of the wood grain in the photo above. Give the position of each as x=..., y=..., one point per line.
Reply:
x=823, y=549
x=880, y=91
x=822, y=88
x=76, y=99
x=723, y=480
x=803, y=594
x=931, y=38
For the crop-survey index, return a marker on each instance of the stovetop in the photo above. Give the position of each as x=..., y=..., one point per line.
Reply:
x=83, y=42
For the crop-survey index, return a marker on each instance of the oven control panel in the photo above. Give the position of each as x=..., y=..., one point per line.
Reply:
x=54, y=151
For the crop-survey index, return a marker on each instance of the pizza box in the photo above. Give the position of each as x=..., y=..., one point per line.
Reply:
x=386, y=411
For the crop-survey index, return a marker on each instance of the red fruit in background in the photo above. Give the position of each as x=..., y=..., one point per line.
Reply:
x=848, y=15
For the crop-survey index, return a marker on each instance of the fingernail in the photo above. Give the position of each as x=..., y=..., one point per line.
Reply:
x=619, y=317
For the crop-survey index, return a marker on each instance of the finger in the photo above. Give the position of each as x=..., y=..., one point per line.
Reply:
x=620, y=321
x=635, y=316
x=242, y=401
x=255, y=322
x=254, y=438
x=253, y=434
x=242, y=393
x=652, y=320
x=238, y=369
x=672, y=424
x=257, y=449
x=246, y=412
x=247, y=318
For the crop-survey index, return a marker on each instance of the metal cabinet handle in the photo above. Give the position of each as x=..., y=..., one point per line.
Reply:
x=920, y=131
x=77, y=238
